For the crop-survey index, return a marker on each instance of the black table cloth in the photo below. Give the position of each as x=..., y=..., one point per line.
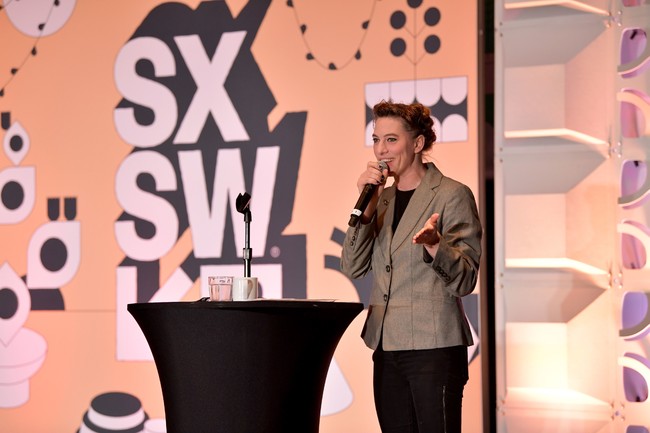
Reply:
x=243, y=367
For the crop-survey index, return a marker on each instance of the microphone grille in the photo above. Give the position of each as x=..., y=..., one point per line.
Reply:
x=383, y=165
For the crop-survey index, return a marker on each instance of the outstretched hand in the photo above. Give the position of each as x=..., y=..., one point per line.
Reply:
x=428, y=234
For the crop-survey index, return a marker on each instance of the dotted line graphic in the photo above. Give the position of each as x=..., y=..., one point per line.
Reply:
x=32, y=53
x=311, y=56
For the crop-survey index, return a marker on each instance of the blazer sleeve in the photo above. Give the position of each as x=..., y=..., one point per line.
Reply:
x=457, y=261
x=356, y=257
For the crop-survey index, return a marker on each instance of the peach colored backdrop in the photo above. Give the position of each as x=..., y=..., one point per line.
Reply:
x=65, y=97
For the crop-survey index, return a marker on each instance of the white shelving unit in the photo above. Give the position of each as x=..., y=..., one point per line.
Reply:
x=572, y=211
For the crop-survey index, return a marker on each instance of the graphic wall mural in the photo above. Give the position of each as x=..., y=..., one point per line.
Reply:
x=128, y=130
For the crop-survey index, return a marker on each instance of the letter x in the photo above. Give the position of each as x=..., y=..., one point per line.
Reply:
x=211, y=96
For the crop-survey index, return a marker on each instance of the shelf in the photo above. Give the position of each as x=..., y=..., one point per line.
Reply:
x=571, y=231
x=546, y=41
x=549, y=80
x=548, y=169
x=563, y=133
x=541, y=410
x=566, y=357
x=559, y=294
x=555, y=263
x=539, y=103
x=552, y=7
x=554, y=398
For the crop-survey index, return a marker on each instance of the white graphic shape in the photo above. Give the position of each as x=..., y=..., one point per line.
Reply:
x=155, y=425
x=16, y=130
x=28, y=16
x=471, y=350
x=145, y=205
x=208, y=217
x=143, y=91
x=429, y=92
x=10, y=325
x=337, y=395
x=454, y=128
x=454, y=90
x=22, y=351
x=67, y=232
x=26, y=178
x=211, y=97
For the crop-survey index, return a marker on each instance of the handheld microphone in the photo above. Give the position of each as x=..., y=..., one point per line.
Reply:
x=364, y=198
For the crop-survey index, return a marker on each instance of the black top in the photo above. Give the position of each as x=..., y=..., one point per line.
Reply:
x=402, y=199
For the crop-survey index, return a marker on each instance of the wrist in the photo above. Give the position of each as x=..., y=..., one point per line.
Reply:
x=432, y=249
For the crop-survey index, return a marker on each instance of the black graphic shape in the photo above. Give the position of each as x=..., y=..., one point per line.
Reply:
x=53, y=208
x=432, y=44
x=54, y=254
x=70, y=208
x=111, y=411
x=432, y=16
x=16, y=143
x=398, y=47
x=8, y=303
x=5, y=120
x=399, y=22
x=12, y=195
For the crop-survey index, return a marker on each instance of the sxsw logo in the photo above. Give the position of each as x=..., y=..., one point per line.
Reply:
x=194, y=109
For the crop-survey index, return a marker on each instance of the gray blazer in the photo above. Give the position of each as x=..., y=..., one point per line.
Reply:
x=415, y=301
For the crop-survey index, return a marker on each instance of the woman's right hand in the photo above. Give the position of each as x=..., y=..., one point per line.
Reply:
x=373, y=175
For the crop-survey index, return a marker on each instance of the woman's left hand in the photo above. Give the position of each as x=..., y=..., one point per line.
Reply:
x=428, y=235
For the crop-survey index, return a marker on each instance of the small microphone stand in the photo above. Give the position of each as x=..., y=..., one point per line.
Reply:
x=243, y=206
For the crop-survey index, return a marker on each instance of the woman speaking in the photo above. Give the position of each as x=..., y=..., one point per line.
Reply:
x=421, y=238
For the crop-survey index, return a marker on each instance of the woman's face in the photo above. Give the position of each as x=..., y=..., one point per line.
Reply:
x=395, y=145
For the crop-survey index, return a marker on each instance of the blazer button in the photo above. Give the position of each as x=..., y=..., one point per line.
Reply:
x=387, y=268
x=385, y=298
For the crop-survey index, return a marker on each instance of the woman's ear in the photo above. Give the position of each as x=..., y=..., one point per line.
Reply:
x=419, y=143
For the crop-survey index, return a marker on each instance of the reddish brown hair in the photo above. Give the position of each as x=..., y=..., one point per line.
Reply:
x=416, y=117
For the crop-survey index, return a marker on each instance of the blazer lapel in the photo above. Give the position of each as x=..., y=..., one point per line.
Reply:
x=417, y=207
x=386, y=214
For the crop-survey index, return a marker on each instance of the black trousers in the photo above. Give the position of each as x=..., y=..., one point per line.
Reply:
x=420, y=391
